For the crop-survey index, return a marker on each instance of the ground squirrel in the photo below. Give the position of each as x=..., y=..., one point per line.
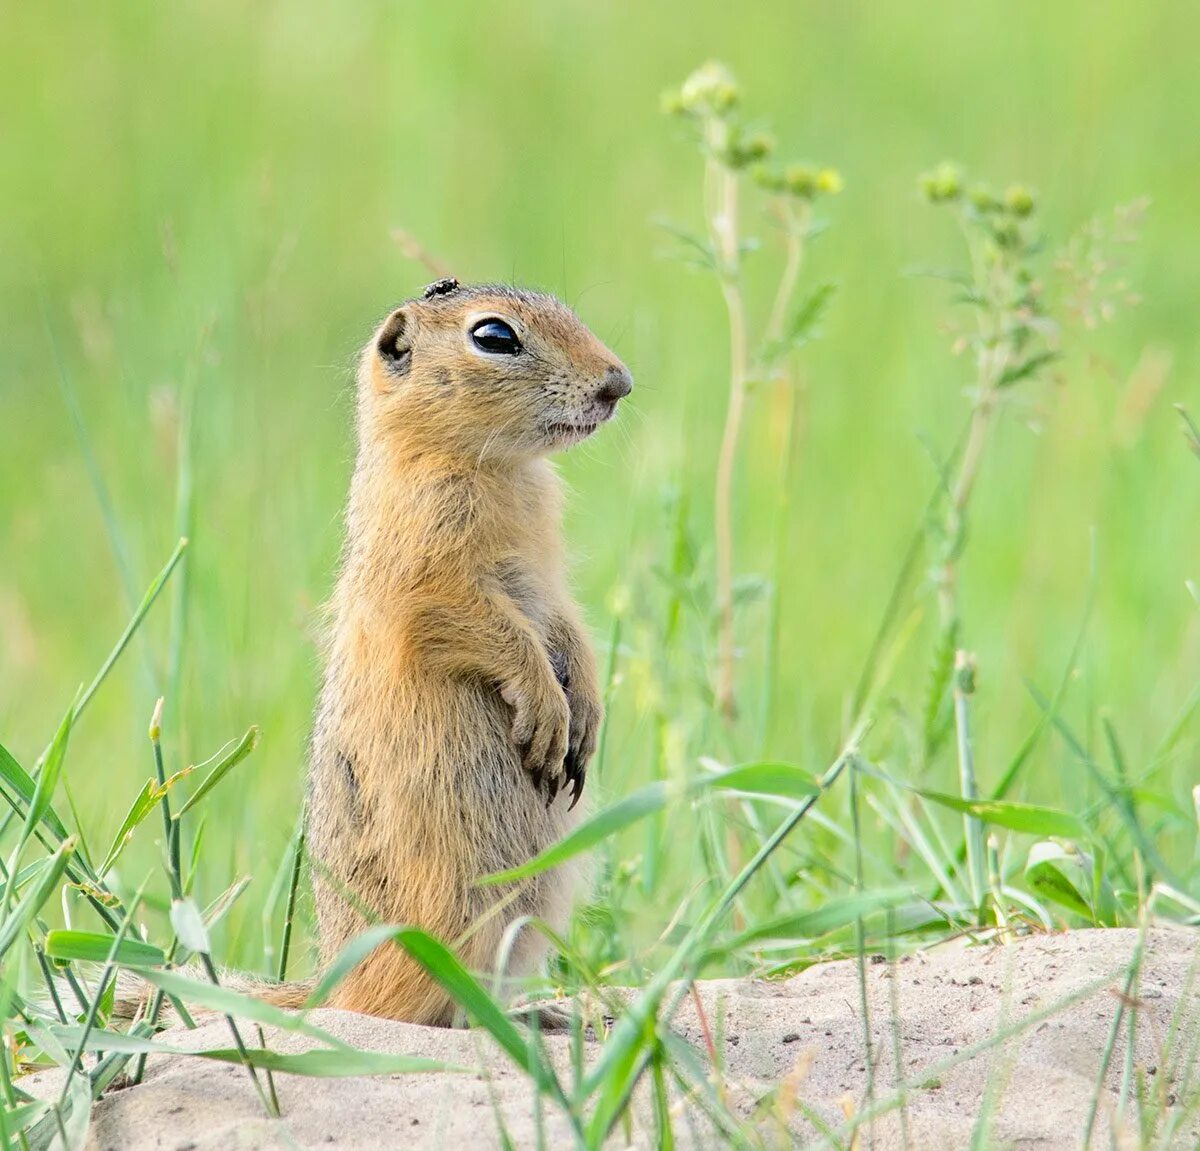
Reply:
x=460, y=703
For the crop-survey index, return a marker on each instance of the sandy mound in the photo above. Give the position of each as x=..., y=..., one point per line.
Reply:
x=931, y=1007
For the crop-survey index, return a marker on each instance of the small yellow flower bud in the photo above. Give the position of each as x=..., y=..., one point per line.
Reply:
x=830, y=180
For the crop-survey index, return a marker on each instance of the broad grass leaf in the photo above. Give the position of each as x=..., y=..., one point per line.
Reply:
x=47, y=781
x=19, y=1117
x=348, y=959
x=22, y=786
x=236, y=1003
x=832, y=915
x=140, y=808
x=327, y=1063
x=768, y=778
x=1024, y=817
x=36, y=897
x=189, y=926
x=244, y=747
x=95, y=947
x=1046, y=873
x=591, y=831
x=440, y=963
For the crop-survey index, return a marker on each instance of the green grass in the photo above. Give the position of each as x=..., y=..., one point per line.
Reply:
x=198, y=210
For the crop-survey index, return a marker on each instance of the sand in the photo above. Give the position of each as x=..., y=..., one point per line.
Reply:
x=806, y=1033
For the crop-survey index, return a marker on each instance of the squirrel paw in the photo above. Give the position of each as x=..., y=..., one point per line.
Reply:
x=587, y=713
x=541, y=719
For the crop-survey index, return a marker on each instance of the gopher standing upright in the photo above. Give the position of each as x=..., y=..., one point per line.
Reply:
x=460, y=704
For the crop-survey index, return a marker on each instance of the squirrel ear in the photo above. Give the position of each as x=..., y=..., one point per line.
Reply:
x=394, y=343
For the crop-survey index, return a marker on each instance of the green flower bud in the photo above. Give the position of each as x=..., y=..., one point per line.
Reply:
x=943, y=183
x=769, y=177
x=724, y=97
x=1019, y=200
x=982, y=199
x=757, y=146
x=949, y=181
x=1006, y=232
x=800, y=180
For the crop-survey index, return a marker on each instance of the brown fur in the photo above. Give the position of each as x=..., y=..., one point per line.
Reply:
x=445, y=746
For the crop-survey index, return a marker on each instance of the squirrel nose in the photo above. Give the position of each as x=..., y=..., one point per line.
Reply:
x=618, y=383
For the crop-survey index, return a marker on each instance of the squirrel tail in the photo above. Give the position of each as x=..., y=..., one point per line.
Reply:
x=134, y=994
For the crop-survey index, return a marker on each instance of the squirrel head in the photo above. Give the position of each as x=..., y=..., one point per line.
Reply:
x=486, y=372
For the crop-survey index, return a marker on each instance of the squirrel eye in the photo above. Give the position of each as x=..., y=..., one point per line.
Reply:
x=496, y=338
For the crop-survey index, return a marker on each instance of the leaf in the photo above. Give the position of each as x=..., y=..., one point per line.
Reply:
x=94, y=947
x=833, y=915
x=949, y=275
x=701, y=250
x=811, y=309
x=34, y=899
x=750, y=589
x=189, y=926
x=1190, y=431
x=348, y=959
x=591, y=831
x=1025, y=369
x=780, y=779
x=236, y=1003
x=937, y=688
x=245, y=746
x=801, y=327
x=1044, y=873
x=766, y=778
x=79, y=1114
x=24, y=1114
x=1024, y=817
x=22, y=784
x=141, y=807
x=440, y=963
x=446, y=969
x=47, y=780
x=323, y=1063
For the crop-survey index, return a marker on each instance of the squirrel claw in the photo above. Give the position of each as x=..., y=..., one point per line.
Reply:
x=574, y=768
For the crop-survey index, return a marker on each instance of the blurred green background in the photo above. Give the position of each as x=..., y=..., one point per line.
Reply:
x=202, y=196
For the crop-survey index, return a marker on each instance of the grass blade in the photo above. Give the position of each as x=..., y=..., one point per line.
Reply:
x=94, y=947
x=244, y=747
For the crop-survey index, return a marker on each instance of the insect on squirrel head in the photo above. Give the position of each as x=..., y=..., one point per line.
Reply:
x=487, y=371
